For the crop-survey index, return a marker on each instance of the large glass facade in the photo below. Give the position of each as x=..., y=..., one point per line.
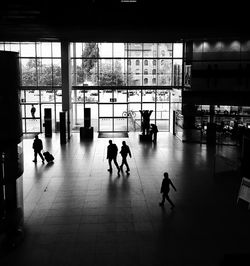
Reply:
x=40, y=70
x=115, y=80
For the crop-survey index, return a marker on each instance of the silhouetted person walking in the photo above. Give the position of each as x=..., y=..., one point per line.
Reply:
x=37, y=146
x=125, y=151
x=111, y=155
x=33, y=111
x=165, y=187
x=153, y=131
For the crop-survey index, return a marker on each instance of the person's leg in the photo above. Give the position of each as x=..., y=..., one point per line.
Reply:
x=163, y=200
x=35, y=156
x=126, y=163
x=116, y=164
x=41, y=156
x=170, y=201
x=110, y=166
x=122, y=164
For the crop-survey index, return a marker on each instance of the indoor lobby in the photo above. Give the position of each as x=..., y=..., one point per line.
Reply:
x=77, y=213
x=81, y=73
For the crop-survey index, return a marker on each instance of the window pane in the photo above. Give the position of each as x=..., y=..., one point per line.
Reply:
x=106, y=110
x=119, y=49
x=148, y=95
x=15, y=47
x=58, y=96
x=149, y=50
x=134, y=49
x=28, y=50
x=105, y=49
x=32, y=96
x=165, y=50
x=105, y=124
x=57, y=75
x=28, y=72
x=56, y=49
x=120, y=124
x=120, y=110
x=32, y=125
x=178, y=49
x=44, y=72
x=177, y=73
x=135, y=118
x=121, y=95
x=162, y=95
x=91, y=96
x=44, y=49
x=47, y=96
x=78, y=115
x=105, y=96
x=134, y=95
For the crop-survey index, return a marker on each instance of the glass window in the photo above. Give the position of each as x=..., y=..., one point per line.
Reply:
x=137, y=62
x=145, y=72
x=44, y=49
x=149, y=50
x=56, y=49
x=178, y=49
x=134, y=49
x=154, y=71
x=28, y=50
x=165, y=50
x=145, y=81
x=29, y=72
x=44, y=69
x=105, y=49
x=119, y=50
x=146, y=62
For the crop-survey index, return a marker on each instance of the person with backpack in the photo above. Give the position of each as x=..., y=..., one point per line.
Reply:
x=125, y=151
x=111, y=156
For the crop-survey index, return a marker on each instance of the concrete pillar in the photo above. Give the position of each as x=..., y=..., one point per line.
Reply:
x=66, y=84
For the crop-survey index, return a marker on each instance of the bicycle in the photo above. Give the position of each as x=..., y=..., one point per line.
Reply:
x=129, y=113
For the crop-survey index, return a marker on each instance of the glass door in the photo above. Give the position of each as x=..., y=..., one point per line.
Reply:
x=113, y=108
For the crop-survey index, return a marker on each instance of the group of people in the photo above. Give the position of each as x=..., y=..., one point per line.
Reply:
x=112, y=151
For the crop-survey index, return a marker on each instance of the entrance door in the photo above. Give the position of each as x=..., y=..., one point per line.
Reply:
x=113, y=107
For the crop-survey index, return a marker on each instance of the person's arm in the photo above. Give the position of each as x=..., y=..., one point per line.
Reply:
x=107, y=152
x=171, y=183
x=129, y=152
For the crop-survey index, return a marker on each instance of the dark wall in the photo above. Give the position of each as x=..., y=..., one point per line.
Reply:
x=220, y=72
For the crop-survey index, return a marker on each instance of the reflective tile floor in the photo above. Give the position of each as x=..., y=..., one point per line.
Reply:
x=77, y=213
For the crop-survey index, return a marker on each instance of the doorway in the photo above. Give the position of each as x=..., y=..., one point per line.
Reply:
x=112, y=110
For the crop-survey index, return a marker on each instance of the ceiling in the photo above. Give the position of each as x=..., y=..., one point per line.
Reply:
x=111, y=20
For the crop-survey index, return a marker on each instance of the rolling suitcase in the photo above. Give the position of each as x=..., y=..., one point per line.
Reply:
x=48, y=156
